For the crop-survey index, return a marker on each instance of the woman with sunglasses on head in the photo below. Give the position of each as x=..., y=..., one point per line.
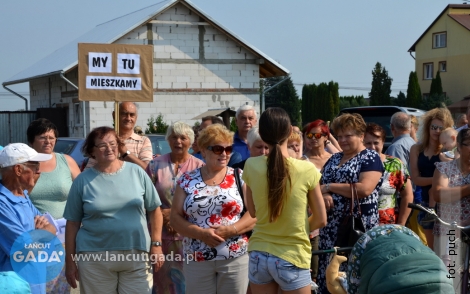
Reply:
x=279, y=189
x=319, y=148
x=53, y=185
x=423, y=157
x=107, y=212
x=207, y=211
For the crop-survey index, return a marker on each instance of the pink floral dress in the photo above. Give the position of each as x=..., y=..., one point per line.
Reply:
x=208, y=206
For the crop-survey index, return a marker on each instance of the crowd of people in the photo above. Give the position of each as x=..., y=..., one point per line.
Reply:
x=228, y=212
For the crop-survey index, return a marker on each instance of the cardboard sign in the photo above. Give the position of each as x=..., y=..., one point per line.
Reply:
x=115, y=72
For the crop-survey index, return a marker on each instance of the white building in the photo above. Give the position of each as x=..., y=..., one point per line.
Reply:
x=198, y=65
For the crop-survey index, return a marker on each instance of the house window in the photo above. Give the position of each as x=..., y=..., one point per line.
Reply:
x=439, y=40
x=442, y=66
x=428, y=71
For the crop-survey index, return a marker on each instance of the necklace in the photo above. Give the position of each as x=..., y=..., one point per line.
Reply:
x=208, y=176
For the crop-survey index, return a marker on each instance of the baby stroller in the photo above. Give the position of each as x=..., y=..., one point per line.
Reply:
x=389, y=259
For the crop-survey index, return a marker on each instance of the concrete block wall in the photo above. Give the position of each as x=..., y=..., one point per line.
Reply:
x=39, y=98
x=200, y=78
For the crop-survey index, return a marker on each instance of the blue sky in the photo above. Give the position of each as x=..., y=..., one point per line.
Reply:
x=318, y=41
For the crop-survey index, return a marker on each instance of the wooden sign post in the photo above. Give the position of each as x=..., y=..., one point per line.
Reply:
x=115, y=72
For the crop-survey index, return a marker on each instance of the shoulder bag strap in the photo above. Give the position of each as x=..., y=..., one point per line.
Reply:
x=236, y=173
x=354, y=195
x=351, y=186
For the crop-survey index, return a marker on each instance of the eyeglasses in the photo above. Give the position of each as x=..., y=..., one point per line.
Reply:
x=218, y=150
x=34, y=164
x=435, y=128
x=44, y=139
x=104, y=146
x=316, y=135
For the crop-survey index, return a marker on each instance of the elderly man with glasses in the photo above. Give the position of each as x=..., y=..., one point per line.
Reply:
x=18, y=165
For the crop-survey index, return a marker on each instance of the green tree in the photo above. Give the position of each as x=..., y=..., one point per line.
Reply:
x=436, y=85
x=283, y=95
x=233, y=125
x=352, y=101
x=400, y=100
x=381, y=86
x=156, y=125
x=435, y=100
x=320, y=102
x=308, y=99
x=413, y=93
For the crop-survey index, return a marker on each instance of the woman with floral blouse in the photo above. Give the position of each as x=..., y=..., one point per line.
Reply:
x=394, y=184
x=207, y=211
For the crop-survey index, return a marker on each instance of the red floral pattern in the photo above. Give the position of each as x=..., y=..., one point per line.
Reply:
x=211, y=207
x=228, y=182
x=230, y=209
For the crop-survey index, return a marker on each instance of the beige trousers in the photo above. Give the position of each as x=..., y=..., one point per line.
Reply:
x=217, y=276
x=131, y=274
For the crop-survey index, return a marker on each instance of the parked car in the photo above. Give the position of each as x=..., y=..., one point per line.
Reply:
x=160, y=146
x=71, y=146
x=381, y=115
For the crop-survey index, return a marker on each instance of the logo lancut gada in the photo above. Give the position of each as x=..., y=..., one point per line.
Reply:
x=37, y=256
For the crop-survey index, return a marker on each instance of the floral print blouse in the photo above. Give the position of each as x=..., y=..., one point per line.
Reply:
x=208, y=206
x=394, y=179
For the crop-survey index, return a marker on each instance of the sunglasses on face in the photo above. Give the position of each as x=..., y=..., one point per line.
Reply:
x=218, y=150
x=435, y=128
x=316, y=135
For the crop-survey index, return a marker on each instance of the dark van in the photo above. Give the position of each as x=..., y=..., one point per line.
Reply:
x=381, y=115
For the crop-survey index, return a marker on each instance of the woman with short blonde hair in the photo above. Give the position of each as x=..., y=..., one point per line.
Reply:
x=207, y=211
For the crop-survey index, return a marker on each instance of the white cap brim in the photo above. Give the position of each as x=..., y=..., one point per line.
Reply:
x=41, y=157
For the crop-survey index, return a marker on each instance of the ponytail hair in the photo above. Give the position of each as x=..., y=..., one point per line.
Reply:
x=274, y=129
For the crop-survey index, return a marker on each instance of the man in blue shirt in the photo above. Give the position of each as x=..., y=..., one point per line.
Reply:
x=245, y=118
x=402, y=141
x=19, y=164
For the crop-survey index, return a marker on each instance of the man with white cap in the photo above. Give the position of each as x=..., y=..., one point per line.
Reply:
x=19, y=163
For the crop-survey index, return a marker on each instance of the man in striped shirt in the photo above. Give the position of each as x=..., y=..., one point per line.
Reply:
x=137, y=149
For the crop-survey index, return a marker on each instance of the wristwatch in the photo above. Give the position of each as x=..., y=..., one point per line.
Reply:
x=156, y=243
x=327, y=186
x=125, y=154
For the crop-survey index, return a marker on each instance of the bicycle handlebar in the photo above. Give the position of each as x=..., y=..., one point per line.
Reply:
x=332, y=250
x=431, y=212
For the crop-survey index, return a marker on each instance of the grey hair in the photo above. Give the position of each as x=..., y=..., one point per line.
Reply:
x=181, y=129
x=401, y=121
x=460, y=117
x=253, y=136
x=244, y=108
x=135, y=104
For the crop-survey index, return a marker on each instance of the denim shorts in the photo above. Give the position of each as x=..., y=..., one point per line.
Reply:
x=265, y=268
x=426, y=221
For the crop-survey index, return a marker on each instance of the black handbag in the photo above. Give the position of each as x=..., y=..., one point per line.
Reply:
x=352, y=227
x=236, y=173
